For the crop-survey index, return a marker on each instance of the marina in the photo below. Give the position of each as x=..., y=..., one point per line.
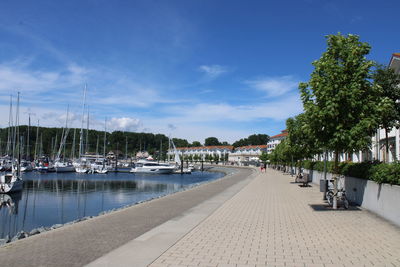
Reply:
x=54, y=199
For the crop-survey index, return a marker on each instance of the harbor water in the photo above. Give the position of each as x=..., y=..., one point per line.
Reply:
x=50, y=199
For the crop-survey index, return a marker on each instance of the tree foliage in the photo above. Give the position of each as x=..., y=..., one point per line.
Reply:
x=195, y=144
x=300, y=140
x=254, y=139
x=340, y=103
x=211, y=141
x=388, y=82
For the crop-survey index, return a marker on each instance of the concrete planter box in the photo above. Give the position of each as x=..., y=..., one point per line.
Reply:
x=381, y=199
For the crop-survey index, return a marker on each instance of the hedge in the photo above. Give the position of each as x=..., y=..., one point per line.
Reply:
x=371, y=170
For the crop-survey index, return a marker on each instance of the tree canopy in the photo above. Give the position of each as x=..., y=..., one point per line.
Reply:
x=211, y=141
x=339, y=101
x=254, y=139
x=388, y=82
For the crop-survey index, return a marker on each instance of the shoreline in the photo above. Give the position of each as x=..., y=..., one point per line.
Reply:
x=43, y=229
x=117, y=227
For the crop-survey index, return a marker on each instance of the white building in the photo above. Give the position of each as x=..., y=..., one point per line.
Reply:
x=246, y=154
x=275, y=140
x=202, y=151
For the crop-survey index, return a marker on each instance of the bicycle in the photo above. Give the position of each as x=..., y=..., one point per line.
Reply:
x=341, y=196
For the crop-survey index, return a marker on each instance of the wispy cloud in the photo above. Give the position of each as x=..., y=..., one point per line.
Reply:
x=205, y=112
x=213, y=71
x=274, y=86
x=124, y=124
x=16, y=76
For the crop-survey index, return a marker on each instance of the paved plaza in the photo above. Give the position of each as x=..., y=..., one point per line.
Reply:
x=274, y=222
x=246, y=219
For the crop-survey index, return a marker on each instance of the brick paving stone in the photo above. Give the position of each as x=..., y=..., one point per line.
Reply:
x=270, y=222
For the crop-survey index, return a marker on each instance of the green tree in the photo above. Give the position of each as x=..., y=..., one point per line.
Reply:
x=180, y=142
x=388, y=82
x=211, y=141
x=264, y=157
x=340, y=104
x=226, y=158
x=254, y=139
x=300, y=139
x=216, y=158
x=195, y=144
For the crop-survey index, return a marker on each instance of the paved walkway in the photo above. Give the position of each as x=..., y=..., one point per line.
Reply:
x=273, y=222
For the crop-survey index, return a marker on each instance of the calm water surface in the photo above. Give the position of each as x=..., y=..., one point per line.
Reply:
x=49, y=199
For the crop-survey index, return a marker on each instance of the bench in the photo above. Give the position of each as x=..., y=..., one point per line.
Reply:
x=303, y=178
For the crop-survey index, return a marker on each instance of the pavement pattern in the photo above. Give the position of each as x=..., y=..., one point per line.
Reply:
x=81, y=243
x=275, y=222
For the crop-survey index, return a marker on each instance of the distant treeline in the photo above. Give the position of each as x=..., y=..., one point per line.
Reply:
x=48, y=141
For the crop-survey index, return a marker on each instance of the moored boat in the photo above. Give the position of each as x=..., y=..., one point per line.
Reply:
x=145, y=166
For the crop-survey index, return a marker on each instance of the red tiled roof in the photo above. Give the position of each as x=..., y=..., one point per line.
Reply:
x=205, y=147
x=396, y=54
x=283, y=134
x=249, y=147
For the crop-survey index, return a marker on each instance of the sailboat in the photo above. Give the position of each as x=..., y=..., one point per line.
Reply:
x=12, y=182
x=103, y=169
x=80, y=165
x=62, y=165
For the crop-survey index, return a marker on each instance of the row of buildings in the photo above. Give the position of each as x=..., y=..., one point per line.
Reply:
x=243, y=155
x=247, y=154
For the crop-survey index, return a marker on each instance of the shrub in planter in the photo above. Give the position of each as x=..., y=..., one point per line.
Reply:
x=386, y=173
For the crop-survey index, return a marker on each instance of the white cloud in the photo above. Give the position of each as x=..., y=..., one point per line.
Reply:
x=274, y=86
x=203, y=112
x=124, y=124
x=213, y=71
x=19, y=77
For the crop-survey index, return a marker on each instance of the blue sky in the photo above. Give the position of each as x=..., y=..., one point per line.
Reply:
x=189, y=69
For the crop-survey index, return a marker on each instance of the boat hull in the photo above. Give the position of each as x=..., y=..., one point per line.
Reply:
x=12, y=187
x=152, y=170
x=81, y=170
x=65, y=169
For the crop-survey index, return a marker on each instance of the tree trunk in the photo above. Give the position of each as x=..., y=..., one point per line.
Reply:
x=335, y=179
x=387, y=146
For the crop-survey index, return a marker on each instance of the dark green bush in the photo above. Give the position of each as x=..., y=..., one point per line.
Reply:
x=371, y=170
x=386, y=173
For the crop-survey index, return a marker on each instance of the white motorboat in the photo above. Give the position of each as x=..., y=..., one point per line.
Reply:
x=102, y=170
x=81, y=169
x=145, y=166
x=10, y=182
x=26, y=166
x=64, y=167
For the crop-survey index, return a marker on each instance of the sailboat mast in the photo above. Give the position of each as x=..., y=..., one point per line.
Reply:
x=73, y=146
x=41, y=145
x=97, y=147
x=104, y=145
x=37, y=140
x=63, y=138
x=169, y=148
x=9, y=137
x=87, y=132
x=28, y=151
x=83, y=119
x=18, y=143
x=126, y=147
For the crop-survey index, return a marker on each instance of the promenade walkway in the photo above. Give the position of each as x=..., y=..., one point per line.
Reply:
x=274, y=222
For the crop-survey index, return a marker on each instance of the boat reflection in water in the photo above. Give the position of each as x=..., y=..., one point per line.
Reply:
x=58, y=198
